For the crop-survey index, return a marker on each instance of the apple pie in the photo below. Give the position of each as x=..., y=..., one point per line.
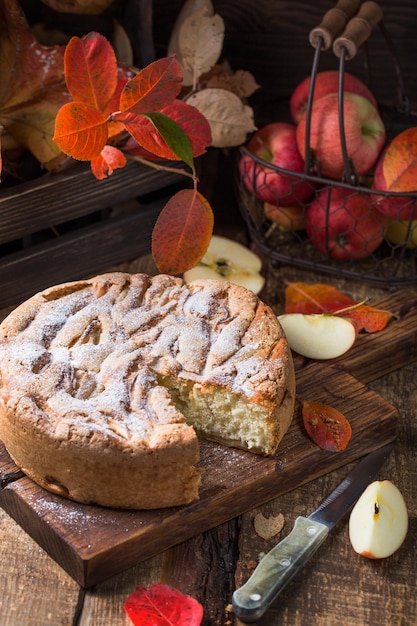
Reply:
x=106, y=385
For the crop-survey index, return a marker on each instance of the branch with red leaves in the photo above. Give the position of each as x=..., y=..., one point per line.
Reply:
x=109, y=106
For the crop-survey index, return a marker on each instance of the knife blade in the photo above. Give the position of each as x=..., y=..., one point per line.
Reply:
x=283, y=562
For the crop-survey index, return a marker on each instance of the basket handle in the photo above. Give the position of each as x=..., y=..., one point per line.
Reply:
x=333, y=23
x=358, y=30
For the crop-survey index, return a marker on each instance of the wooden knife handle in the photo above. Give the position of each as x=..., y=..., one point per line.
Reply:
x=333, y=23
x=358, y=29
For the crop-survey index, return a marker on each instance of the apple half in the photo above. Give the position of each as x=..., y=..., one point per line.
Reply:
x=226, y=259
x=378, y=523
x=318, y=336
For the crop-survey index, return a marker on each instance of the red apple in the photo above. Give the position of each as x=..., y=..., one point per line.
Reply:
x=326, y=82
x=275, y=143
x=396, y=206
x=364, y=132
x=344, y=225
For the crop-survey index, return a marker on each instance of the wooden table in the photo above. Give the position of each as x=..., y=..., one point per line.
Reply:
x=337, y=587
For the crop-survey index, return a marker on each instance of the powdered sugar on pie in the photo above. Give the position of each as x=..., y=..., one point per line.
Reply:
x=107, y=383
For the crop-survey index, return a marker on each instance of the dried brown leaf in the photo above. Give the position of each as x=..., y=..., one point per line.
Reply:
x=188, y=8
x=200, y=42
x=242, y=83
x=229, y=118
x=33, y=86
x=268, y=527
x=122, y=45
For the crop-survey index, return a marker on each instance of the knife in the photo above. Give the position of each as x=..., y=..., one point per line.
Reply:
x=283, y=562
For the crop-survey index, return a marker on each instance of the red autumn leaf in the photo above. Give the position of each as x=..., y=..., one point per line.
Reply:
x=115, y=128
x=189, y=119
x=32, y=85
x=326, y=426
x=320, y=298
x=109, y=159
x=368, y=318
x=91, y=70
x=80, y=131
x=132, y=147
x=162, y=605
x=192, y=122
x=400, y=162
x=182, y=232
x=153, y=88
x=314, y=298
x=162, y=137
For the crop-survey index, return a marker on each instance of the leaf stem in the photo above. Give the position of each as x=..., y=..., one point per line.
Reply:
x=159, y=166
x=349, y=308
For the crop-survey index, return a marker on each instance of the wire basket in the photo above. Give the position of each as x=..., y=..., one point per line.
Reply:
x=382, y=251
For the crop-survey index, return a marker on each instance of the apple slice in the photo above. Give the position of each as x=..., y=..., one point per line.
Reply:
x=378, y=523
x=229, y=260
x=318, y=336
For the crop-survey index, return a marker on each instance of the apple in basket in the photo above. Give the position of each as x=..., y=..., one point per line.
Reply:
x=325, y=82
x=364, y=132
x=396, y=206
x=344, y=225
x=275, y=143
x=285, y=217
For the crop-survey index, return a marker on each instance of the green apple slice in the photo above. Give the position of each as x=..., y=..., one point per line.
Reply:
x=229, y=260
x=318, y=336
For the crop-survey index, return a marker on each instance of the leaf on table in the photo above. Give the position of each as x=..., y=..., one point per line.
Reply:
x=268, y=527
x=368, y=318
x=400, y=162
x=229, y=118
x=320, y=298
x=326, y=426
x=32, y=85
x=162, y=605
x=182, y=232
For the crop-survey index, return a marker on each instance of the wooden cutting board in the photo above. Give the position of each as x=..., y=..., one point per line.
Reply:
x=93, y=543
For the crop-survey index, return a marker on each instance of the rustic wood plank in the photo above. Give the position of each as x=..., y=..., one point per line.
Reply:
x=27, y=576
x=337, y=581
x=103, y=604
x=204, y=567
x=87, y=251
x=58, y=198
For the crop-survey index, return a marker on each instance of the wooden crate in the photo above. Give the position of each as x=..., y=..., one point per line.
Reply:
x=69, y=225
